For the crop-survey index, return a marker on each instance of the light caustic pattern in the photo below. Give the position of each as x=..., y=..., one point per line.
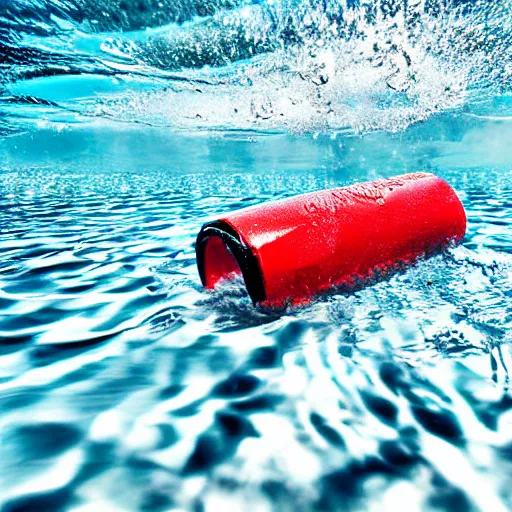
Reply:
x=124, y=385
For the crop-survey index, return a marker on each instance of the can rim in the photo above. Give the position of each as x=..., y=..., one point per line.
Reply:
x=244, y=255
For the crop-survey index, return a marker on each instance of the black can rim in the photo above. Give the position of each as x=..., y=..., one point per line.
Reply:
x=245, y=257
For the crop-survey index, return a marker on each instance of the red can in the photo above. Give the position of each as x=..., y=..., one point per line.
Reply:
x=305, y=245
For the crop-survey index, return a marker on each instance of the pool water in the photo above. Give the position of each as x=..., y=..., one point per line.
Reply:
x=126, y=386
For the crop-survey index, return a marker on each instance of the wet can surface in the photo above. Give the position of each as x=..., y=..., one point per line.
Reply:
x=305, y=245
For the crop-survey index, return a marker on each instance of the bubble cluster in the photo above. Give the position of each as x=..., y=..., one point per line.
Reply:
x=287, y=66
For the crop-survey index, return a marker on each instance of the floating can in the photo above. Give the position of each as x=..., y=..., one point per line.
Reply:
x=295, y=248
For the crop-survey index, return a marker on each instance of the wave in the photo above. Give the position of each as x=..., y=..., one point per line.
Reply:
x=274, y=65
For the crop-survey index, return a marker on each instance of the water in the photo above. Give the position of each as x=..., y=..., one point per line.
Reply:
x=123, y=384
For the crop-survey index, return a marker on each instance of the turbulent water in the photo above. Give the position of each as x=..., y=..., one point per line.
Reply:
x=275, y=65
x=123, y=384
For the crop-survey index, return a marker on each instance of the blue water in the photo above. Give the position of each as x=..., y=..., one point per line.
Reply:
x=123, y=384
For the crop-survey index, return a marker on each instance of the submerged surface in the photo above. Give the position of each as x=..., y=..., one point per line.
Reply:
x=123, y=384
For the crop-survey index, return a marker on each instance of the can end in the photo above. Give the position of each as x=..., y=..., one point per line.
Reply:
x=221, y=255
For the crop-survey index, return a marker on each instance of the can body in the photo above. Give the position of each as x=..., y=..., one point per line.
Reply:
x=301, y=246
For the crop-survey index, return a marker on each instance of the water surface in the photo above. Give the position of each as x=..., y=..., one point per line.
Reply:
x=123, y=384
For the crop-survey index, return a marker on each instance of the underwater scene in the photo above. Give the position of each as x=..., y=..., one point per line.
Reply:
x=125, y=126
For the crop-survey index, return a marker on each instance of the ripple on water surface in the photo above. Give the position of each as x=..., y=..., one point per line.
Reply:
x=124, y=385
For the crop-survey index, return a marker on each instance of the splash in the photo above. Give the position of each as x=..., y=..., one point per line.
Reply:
x=285, y=66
